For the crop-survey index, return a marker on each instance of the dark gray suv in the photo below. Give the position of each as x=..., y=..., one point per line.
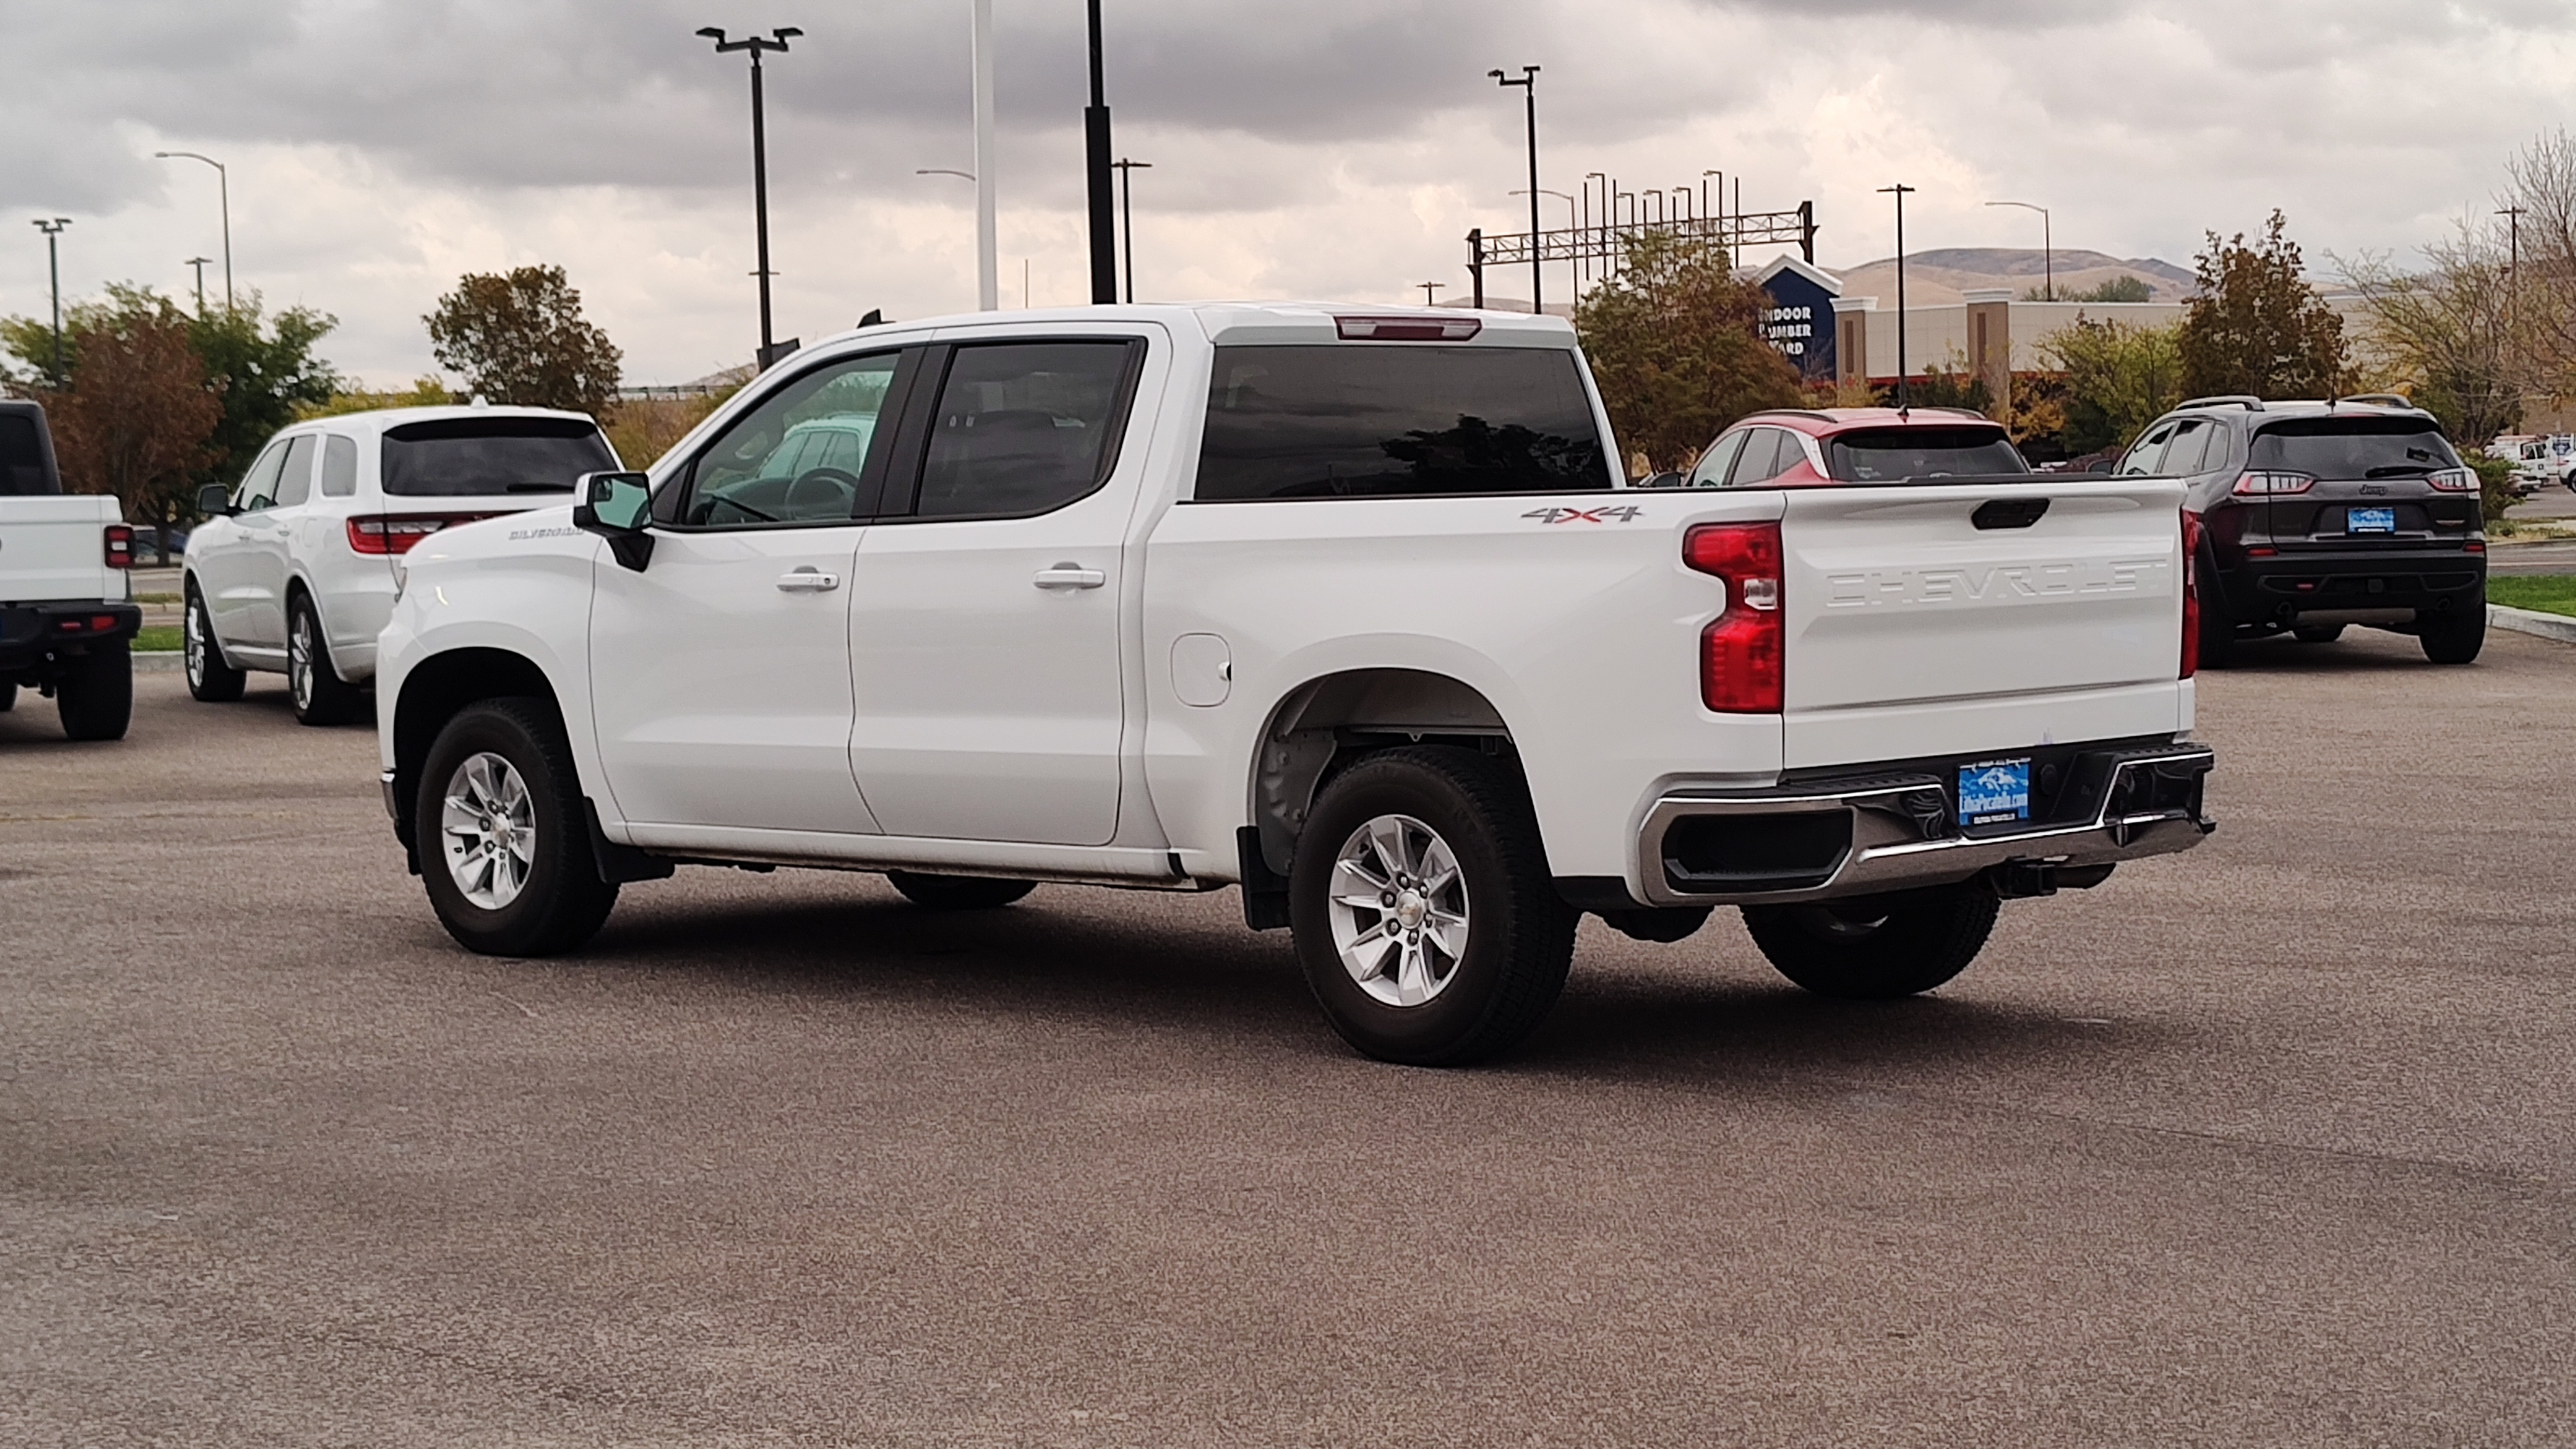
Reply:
x=2318, y=515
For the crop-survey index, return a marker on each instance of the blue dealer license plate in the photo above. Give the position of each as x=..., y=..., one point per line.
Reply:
x=2370, y=520
x=1994, y=792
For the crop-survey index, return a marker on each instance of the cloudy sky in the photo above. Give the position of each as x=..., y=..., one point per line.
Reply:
x=1330, y=148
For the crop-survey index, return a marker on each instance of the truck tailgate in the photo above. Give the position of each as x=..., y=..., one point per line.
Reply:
x=55, y=547
x=1912, y=613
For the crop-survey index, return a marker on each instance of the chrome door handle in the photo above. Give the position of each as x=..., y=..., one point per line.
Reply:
x=1070, y=576
x=808, y=580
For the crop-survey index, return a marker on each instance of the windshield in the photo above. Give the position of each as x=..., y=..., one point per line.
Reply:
x=1889, y=455
x=2354, y=448
x=460, y=456
x=22, y=455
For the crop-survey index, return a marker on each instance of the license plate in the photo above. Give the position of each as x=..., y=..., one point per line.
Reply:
x=2370, y=520
x=1994, y=792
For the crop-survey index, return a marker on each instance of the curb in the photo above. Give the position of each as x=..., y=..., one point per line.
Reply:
x=2531, y=621
x=170, y=661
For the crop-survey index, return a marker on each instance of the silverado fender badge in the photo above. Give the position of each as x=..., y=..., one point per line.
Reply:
x=1626, y=513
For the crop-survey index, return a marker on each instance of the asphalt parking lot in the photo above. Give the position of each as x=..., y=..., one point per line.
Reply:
x=2269, y=1144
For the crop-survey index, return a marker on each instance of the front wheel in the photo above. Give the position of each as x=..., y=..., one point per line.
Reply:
x=312, y=682
x=96, y=693
x=210, y=679
x=504, y=847
x=958, y=892
x=1424, y=913
x=2457, y=636
x=1862, y=950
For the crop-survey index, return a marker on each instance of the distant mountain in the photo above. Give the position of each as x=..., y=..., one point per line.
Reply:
x=1939, y=275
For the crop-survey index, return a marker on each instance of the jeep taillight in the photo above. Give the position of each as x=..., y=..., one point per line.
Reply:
x=120, y=546
x=2259, y=483
x=2452, y=480
x=2191, y=530
x=1741, y=653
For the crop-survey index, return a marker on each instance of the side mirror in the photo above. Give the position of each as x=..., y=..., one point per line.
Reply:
x=214, y=500
x=617, y=506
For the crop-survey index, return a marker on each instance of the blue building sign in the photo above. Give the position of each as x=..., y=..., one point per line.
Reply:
x=1799, y=322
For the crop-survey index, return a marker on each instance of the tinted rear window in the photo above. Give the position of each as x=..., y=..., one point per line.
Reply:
x=1397, y=420
x=22, y=456
x=492, y=455
x=2354, y=448
x=1888, y=455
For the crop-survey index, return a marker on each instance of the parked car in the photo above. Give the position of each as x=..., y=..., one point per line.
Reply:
x=2319, y=515
x=1803, y=447
x=67, y=616
x=1352, y=611
x=293, y=570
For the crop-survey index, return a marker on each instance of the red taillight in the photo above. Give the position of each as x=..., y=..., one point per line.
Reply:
x=396, y=532
x=2258, y=483
x=2476, y=547
x=2190, y=593
x=2452, y=480
x=120, y=546
x=1741, y=655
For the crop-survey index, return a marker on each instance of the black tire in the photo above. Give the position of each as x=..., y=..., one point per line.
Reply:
x=8, y=695
x=562, y=902
x=210, y=679
x=958, y=892
x=1518, y=933
x=2455, y=637
x=1860, y=952
x=2317, y=633
x=96, y=693
x=313, y=683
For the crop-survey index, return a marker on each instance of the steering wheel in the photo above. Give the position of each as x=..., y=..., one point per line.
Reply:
x=822, y=493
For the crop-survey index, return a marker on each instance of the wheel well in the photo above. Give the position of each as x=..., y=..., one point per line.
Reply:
x=1326, y=724
x=434, y=692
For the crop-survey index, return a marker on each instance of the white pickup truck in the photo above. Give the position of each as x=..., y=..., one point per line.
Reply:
x=1352, y=611
x=67, y=616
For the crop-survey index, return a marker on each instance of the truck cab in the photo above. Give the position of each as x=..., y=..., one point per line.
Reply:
x=67, y=615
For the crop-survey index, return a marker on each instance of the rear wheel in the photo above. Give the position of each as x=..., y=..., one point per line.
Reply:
x=1425, y=917
x=8, y=695
x=2457, y=636
x=958, y=892
x=96, y=693
x=503, y=844
x=319, y=695
x=1866, y=951
x=210, y=680
x=2317, y=633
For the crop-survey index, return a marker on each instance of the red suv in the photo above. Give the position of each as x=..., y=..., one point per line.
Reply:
x=1793, y=446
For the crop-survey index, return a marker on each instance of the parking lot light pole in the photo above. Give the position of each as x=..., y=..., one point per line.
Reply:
x=2047, y=249
x=200, y=264
x=1528, y=83
x=1127, y=216
x=224, y=195
x=54, y=265
x=988, y=265
x=1096, y=168
x=1904, y=400
x=755, y=44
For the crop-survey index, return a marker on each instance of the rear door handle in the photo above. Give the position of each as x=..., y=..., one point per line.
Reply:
x=1070, y=576
x=808, y=580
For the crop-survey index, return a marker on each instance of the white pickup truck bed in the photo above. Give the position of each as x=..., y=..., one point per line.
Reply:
x=66, y=611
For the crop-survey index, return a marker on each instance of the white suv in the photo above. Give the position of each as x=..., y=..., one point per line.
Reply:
x=294, y=569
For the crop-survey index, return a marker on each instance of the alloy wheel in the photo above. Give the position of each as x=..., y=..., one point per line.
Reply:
x=1398, y=905
x=488, y=825
x=193, y=642
x=299, y=659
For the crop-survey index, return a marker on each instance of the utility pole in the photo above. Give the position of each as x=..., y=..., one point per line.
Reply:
x=54, y=265
x=200, y=264
x=2513, y=287
x=1431, y=292
x=1904, y=399
x=2047, y=249
x=223, y=191
x=1127, y=215
x=988, y=273
x=1095, y=133
x=1528, y=83
x=756, y=45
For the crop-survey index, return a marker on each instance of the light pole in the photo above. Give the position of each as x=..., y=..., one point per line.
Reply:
x=1095, y=135
x=54, y=265
x=1571, y=220
x=988, y=284
x=1528, y=83
x=2047, y=249
x=756, y=45
x=1904, y=400
x=1127, y=215
x=200, y=264
x=224, y=192
x=988, y=266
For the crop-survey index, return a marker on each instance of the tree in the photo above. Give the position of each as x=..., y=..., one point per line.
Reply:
x=2119, y=378
x=2447, y=331
x=2541, y=182
x=2256, y=326
x=1676, y=349
x=136, y=412
x=519, y=337
x=263, y=372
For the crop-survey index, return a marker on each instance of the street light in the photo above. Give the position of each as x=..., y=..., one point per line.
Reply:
x=1096, y=167
x=1904, y=400
x=200, y=264
x=756, y=45
x=53, y=264
x=988, y=266
x=224, y=191
x=2047, y=248
x=1127, y=215
x=1528, y=83
x=1572, y=219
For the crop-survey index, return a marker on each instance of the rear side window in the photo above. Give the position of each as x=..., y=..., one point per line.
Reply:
x=1921, y=454
x=455, y=457
x=22, y=457
x=339, y=466
x=2354, y=448
x=1024, y=428
x=1397, y=421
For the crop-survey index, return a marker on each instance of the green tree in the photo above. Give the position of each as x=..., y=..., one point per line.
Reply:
x=2119, y=378
x=1676, y=348
x=136, y=409
x=2447, y=331
x=519, y=337
x=264, y=372
x=2256, y=327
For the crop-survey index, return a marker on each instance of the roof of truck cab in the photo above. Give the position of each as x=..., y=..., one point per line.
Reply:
x=1825, y=422
x=1236, y=323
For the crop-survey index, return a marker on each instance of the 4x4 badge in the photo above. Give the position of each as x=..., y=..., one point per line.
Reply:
x=1626, y=513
